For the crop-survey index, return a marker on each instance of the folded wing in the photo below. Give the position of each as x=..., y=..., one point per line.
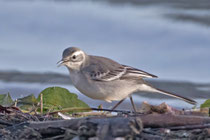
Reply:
x=104, y=69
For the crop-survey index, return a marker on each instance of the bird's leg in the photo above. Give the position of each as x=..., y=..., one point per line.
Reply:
x=134, y=107
x=118, y=104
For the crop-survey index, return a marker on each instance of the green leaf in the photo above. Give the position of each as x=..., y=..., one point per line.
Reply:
x=206, y=104
x=27, y=103
x=57, y=98
x=6, y=100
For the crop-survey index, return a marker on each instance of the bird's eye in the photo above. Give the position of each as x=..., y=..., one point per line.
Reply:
x=74, y=56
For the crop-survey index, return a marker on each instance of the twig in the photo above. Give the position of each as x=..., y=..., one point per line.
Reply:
x=5, y=123
x=150, y=131
x=91, y=113
x=88, y=109
x=110, y=110
x=41, y=100
x=16, y=101
x=65, y=117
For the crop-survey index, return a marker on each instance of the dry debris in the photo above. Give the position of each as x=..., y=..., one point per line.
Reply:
x=151, y=122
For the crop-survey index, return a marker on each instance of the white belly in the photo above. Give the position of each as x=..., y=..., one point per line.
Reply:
x=108, y=91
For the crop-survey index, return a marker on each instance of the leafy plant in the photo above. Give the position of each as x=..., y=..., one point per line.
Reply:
x=57, y=98
x=6, y=100
x=27, y=103
x=206, y=104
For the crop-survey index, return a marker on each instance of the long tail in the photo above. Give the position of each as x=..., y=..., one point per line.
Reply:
x=149, y=88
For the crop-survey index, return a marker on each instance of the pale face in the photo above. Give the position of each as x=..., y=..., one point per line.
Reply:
x=73, y=58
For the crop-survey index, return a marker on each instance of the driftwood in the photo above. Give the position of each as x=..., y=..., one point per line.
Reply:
x=169, y=120
x=112, y=127
x=150, y=120
x=190, y=127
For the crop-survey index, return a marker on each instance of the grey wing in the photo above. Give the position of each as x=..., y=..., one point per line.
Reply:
x=104, y=69
x=110, y=75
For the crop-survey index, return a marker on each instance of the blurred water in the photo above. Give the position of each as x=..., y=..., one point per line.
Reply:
x=19, y=90
x=33, y=35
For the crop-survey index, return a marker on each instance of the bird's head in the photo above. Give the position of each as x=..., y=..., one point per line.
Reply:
x=73, y=58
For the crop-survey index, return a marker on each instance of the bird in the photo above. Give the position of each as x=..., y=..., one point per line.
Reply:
x=104, y=79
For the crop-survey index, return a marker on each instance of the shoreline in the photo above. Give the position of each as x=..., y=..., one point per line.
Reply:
x=53, y=77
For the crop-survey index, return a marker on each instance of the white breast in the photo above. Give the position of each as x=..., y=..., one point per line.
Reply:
x=107, y=91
